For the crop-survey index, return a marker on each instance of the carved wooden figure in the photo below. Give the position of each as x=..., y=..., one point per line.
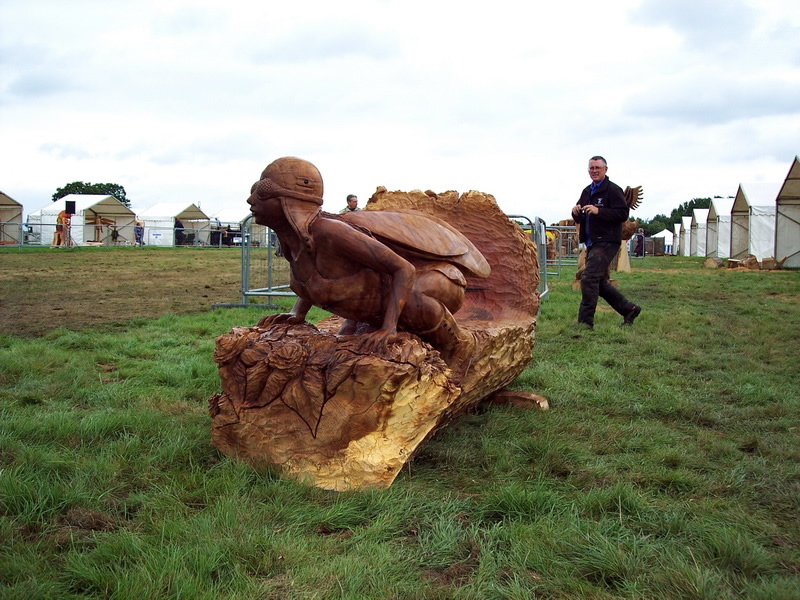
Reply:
x=345, y=404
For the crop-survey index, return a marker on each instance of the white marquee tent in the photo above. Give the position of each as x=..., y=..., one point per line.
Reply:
x=699, y=219
x=718, y=228
x=96, y=216
x=159, y=224
x=787, y=219
x=668, y=237
x=10, y=220
x=231, y=215
x=235, y=218
x=229, y=220
x=753, y=220
x=686, y=236
x=676, y=240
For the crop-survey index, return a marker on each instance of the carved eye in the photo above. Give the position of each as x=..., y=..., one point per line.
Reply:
x=264, y=189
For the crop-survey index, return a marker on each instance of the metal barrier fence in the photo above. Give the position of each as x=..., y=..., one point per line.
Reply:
x=42, y=234
x=12, y=234
x=562, y=248
x=265, y=273
x=650, y=246
x=538, y=235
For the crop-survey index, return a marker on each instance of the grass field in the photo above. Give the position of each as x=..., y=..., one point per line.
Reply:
x=667, y=467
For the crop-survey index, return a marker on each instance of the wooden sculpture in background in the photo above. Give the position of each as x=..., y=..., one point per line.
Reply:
x=345, y=404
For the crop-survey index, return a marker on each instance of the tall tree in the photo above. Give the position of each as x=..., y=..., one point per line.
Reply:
x=79, y=187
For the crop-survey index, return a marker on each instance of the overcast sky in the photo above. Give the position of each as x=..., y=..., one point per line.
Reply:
x=189, y=100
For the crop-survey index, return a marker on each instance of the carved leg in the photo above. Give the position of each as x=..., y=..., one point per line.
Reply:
x=455, y=344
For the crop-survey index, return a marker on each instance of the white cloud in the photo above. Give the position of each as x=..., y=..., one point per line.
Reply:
x=190, y=100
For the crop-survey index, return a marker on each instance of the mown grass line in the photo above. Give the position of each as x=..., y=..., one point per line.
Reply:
x=668, y=466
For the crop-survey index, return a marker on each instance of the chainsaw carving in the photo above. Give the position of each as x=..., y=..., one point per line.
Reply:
x=376, y=269
x=345, y=404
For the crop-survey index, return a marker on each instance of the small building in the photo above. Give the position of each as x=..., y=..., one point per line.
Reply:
x=787, y=218
x=175, y=224
x=10, y=220
x=698, y=225
x=94, y=222
x=753, y=220
x=718, y=228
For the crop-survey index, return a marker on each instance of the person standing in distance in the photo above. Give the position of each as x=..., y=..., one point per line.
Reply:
x=599, y=214
x=352, y=204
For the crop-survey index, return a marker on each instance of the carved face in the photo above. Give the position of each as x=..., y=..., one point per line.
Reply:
x=286, y=182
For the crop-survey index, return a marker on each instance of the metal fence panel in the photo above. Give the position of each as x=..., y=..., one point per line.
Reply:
x=265, y=272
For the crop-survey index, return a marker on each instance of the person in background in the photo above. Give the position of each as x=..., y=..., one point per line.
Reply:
x=352, y=204
x=138, y=233
x=599, y=214
x=639, y=248
x=180, y=236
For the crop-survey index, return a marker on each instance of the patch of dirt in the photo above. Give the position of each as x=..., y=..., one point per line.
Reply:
x=83, y=518
x=41, y=290
x=78, y=526
x=458, y=573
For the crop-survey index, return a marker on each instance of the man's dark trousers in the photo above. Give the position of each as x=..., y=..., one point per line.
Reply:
x=594, y=283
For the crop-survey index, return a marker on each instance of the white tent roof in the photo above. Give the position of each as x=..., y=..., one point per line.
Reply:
x=699, y=216
x=755, y=194
x=173, y=210
x=107, y=205
x=6, y=200
x=677, y=228
x=687, y=222
x=720, y=207
x=790, y=190
x=666, y=234
x=787, y=221
x=233, y=214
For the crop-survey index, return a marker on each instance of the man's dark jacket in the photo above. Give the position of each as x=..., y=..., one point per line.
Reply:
x=606, y=225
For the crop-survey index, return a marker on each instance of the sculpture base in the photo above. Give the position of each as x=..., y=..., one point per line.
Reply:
x=310, y=404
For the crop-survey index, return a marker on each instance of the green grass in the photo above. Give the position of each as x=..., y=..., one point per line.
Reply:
x=667, y=467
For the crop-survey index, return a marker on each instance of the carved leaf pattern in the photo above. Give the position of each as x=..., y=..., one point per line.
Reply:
x=306, y=397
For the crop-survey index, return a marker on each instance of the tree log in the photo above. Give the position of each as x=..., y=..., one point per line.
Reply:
x=712, y=262
x=315, y=406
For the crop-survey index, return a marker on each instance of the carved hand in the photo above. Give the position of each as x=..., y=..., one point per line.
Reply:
x=287, y=318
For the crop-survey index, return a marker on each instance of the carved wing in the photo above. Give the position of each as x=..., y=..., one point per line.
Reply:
x=634, y=196
x=422, y=235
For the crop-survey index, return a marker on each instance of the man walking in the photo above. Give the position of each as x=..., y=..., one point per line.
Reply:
x=599, y=214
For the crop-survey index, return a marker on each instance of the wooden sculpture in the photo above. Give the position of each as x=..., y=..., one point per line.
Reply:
x=345, y=404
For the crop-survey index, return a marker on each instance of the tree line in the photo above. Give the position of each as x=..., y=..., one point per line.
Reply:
x=104, y=189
